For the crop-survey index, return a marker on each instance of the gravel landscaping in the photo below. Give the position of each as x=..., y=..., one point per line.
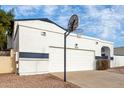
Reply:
x=117, y=70
x=40, y=81
x=33, y=81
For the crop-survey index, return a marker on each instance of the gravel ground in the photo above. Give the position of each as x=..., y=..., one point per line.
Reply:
x=117, y=70
x=33, y=81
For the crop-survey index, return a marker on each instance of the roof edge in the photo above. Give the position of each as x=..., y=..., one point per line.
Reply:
x=41, y=19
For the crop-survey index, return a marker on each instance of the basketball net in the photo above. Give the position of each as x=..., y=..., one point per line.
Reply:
x=79, y=32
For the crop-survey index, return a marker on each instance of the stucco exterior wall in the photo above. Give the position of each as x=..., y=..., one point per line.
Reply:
x=30, y=39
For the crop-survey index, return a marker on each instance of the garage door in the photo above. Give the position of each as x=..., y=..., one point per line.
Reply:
x=76, y=60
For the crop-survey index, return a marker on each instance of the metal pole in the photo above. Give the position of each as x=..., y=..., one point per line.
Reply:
x=65, y=57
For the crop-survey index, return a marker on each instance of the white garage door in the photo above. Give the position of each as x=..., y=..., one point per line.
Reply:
x=76, y=60
x=30, y=67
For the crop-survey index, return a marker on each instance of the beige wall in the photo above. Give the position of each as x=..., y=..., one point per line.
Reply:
x=7, y=63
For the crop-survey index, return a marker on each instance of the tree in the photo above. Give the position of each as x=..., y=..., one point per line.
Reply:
x=5, y=26
x=10, y=15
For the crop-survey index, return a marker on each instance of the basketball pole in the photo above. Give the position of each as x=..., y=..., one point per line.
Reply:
x=65, y=36
x=65, y=56
x=72, y=25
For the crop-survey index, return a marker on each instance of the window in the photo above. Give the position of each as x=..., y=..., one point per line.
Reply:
x=105, y=52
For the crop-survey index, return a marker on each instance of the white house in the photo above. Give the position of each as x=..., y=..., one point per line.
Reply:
x=39, y=43
x=118, y=56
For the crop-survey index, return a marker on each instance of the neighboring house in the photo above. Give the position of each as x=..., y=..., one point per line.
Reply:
x=118, y=56
x=39, y=43
x=119, y=51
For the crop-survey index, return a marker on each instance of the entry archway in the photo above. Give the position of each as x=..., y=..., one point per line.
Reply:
x=105, y=52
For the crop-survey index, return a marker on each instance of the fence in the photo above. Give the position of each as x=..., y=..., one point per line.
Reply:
x=7, y=62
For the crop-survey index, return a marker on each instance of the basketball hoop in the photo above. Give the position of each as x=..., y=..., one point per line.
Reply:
x=79, y=32
x=73, y=23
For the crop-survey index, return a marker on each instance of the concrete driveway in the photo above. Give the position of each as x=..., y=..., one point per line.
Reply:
x=94, y=79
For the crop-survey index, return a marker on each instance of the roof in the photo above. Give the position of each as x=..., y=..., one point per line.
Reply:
x=119, y=47
x=41, y=19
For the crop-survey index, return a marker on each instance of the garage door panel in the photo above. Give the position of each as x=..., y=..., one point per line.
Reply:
x=33, y=67
x=76, y=60
x=79, y=60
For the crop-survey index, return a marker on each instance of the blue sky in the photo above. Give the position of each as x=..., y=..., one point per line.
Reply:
x=101, y=21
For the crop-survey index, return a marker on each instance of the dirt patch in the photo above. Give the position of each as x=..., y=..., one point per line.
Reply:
x=117, y=70
x=33, y=81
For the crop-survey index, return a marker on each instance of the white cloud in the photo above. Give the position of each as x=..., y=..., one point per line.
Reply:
x=49, y=10
x=122, y=34
x=64, y=14
x=97, y=21
x=63, y=21
x=65, y=8
x=109, y=21
x=26, y=10
x=22, y=10
x=7, y=8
